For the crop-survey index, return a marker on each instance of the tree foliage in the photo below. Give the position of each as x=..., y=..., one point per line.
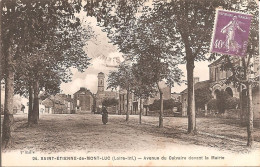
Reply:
x=32, y=32
x=168, y=104
x=122, y=77
x=222, y=97
x=245, y=72
x=202, y=97
x=110, y=102
x=212, y=104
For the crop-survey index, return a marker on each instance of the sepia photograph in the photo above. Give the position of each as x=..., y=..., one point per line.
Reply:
x=129, y=83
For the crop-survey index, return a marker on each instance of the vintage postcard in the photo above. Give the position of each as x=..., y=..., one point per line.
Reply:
x=129, y=83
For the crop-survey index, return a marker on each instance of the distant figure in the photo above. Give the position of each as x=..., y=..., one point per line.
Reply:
x=22, y=108
x=104, y=115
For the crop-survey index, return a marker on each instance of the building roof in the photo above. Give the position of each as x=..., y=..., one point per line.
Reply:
x=107, y=93
x=198, y=85
x=216, y=62
x=83, y=89
x=57, y=99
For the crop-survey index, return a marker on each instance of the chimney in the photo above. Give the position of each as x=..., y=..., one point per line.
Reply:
x=196, y=79
x=82, y=88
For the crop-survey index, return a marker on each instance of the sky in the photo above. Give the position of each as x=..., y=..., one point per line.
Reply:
x=104, y=53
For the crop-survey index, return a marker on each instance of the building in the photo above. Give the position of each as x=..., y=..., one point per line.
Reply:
x=19, y=103
x=102, y=93
x=166, y=93
x=217, y=82
x=132, y=105
x=218, y=78
x=135, y=103
x=202, y=85
x=176, y=96
x=58, y=104
x=83, y=100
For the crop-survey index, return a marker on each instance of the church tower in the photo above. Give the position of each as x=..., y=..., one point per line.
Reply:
x=101, y=79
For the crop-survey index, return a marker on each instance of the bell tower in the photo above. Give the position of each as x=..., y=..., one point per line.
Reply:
x=101, y=78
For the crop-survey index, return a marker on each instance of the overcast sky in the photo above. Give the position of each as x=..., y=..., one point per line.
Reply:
x=103, y=53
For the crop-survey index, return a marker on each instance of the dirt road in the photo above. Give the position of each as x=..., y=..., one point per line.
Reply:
x=222, y=141
x=58, y=133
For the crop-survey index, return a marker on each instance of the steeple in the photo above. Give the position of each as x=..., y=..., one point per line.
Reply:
x=101, y=78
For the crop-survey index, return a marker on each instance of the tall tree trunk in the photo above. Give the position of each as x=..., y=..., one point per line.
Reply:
x=191, y=98
x=8, y=107
x=123, y=103
x=0, y=85
x=161, y=107
x=127, y=105
x=30, y=107
x=0, y=90
x=120, y=105
x=141, y=111
x=190, y=69
x=35, y=115
x=250, y=120
x=53, y=106
x=240, y=104
x=250, y=113
x=161, y=110
x=136, y=107
x=1, y=55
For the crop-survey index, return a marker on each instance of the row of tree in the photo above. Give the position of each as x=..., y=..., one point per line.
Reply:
x=41, y=40
x=156, y=36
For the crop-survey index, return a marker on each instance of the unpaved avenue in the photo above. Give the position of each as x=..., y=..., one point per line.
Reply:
x=59, y=133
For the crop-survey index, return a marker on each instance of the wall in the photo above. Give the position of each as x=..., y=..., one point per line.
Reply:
x=256, y=103
x=83, y=101
x=184, y=104
x=166, y=95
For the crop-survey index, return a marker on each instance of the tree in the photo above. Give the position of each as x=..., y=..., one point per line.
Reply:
x=142, y=90
x=212, y=104
x=232, y=103
x=110, y=102
x=188, y=25
x=122, y=78
x=49, y=65
x=25, y=26
x=143, y=43
x=222, y=97
x=241, y=67
x=168, y=104
x=202, y=97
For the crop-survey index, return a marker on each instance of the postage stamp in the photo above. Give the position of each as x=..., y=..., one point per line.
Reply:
x=231, y=31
